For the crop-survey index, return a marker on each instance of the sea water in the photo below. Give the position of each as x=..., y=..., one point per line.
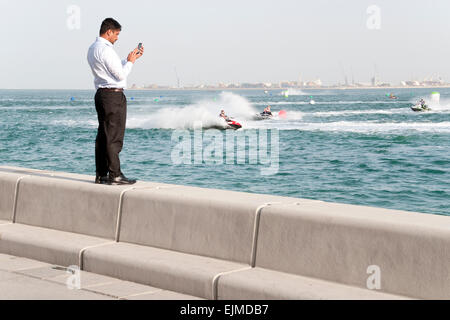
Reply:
x=351, y=146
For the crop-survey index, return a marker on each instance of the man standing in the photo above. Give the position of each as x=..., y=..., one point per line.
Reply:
x=110, y=74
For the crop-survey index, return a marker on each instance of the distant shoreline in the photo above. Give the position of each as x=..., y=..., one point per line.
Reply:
x=276, y=89
x=255, y=89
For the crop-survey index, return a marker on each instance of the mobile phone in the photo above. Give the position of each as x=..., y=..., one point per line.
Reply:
x=140, y=47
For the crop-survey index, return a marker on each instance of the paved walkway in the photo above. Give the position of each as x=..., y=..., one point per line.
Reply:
x=25, y=279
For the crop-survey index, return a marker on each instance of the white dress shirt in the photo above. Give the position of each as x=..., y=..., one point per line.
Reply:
x=108, y=70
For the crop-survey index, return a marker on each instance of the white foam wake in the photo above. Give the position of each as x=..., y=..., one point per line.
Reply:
x=359, y=126
x=204, y=113
x=326, y=102
x=292, y=92
x=352, y=112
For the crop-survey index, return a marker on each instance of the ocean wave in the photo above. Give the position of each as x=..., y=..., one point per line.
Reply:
x=352, y=112
x=75, y=123
x=60, y=107
x=292, y=92
x=359, y=126
x=325, y=102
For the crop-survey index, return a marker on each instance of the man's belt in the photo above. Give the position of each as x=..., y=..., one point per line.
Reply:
x=111, y=89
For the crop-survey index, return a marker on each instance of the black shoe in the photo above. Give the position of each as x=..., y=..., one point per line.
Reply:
x=101, y=180
x=120, y=180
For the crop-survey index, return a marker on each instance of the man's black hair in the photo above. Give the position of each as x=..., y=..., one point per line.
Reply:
x=109, y=24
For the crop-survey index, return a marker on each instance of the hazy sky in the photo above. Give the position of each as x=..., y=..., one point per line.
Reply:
x=230, y=41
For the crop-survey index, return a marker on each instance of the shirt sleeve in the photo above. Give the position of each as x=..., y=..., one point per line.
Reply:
x=118, y=69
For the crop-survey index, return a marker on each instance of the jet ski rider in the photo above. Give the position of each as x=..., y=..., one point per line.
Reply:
x=422, y=103
x=223, y=115
x=267, y=111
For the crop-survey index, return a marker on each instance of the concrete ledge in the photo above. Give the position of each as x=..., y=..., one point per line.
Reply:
x=68, y=205
x=8, y=183
x=52, y=246
x=63, y=201
x=208, y=222
x=165, y=269
x=264, y=284
x=22, y=278
x=338, y=242
x=188, y=239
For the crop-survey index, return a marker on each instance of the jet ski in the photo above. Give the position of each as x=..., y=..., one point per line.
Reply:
x=263, y=116
x=233, y=124
x=391, y=96
x=420, y=108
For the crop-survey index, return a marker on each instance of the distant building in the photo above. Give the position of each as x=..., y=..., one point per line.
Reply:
x=432, y=82
x=413, y=83
x=363, y=84
x=252, y=85
x=314, y=84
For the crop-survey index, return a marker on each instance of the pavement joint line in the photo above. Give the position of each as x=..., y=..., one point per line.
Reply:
x=54, y=279
x=87, y=288
x=100, y=293
x=27, y=268
x=84, y=289
x=101, y=284
x=48, y=280
x=29, y=275
x=9, y=271
x=93, y=286
x=145, y=292
x=6, y=224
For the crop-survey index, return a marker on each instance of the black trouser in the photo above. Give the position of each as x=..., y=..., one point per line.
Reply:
x=111, y=109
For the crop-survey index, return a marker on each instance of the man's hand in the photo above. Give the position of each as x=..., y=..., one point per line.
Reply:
x=135, y=54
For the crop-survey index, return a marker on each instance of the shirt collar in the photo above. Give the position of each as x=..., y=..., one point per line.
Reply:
x=101, y=39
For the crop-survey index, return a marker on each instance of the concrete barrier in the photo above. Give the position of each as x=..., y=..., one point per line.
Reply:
x=207, y=222
x=57, y=215
x=339, y=242
x=8, y=187
x=182, y=238
x=222, y=244
x=265, y=284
